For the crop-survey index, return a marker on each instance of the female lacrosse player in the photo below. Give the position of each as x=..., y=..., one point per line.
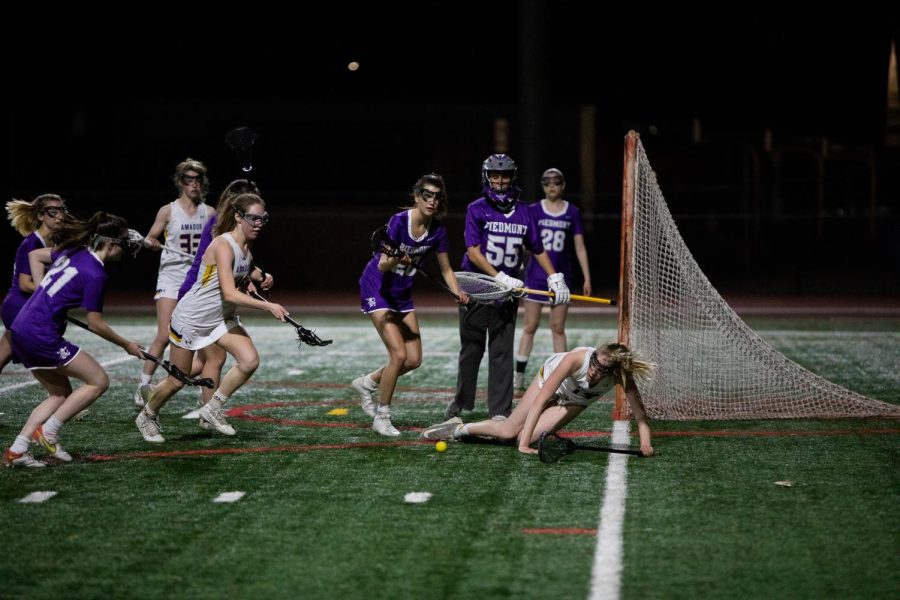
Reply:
x=206, y=315
x=77, y=278
x=209, y=361
x=567, y=383
x=182, y=222
x=561, y=231
x=36, y=220
x=385, y=290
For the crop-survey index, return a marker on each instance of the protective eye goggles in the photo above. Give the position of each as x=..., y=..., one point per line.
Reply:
x=189, y=179
x=428, y=195
x=55, y=211
x=255, y=219
x=551, y=181
x=603, y=370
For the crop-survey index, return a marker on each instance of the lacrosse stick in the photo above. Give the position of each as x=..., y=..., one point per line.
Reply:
x=168, y=366
x=136, y=242
x=304, y=335
x=241, y=140
x=485, y=289
x=382, y=243
x=552, y=447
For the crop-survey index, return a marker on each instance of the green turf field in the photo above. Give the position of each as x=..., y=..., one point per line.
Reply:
x=323, y=515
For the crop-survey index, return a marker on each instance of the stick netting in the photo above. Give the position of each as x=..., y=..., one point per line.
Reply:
x=711, y=365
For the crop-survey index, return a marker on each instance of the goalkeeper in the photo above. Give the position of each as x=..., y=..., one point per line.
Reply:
x=498, y=226
x=567, y=383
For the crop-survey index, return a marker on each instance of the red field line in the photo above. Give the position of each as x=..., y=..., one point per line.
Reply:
x=251, y=450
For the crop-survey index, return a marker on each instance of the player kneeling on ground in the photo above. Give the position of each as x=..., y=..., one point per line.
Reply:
x=567, y=383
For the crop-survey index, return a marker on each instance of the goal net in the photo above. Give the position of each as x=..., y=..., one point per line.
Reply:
x=711, y=365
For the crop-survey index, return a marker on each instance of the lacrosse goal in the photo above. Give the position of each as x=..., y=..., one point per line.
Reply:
x=711, y=365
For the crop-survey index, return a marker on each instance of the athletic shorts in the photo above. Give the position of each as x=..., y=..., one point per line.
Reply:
x=169, y=283
x=34, y=353
x=371, y=300
x=192, y=336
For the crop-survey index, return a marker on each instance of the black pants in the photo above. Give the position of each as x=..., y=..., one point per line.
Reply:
x=497, y=324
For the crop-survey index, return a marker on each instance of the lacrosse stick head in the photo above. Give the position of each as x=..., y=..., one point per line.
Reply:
x=309, y=337
x=135, y=241
x=241, y=139
x=482, y=288
x=551, y=447
x=382, y=243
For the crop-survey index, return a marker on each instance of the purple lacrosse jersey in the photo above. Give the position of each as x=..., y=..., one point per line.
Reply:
x=206, y=239
x=15, y=298
x=557, y=231
x=500, y=235
x=393, y=290
x=76, y=278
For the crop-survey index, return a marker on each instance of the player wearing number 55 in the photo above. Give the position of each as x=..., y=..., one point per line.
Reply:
x=77, y=278
x=567, y=383
x=182, y=222
x=498, y=226
x=385, y=290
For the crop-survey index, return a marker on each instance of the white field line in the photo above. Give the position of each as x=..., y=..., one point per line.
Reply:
x=37, y=497
x=607, y=570
x=229, y=496
x=109, y=363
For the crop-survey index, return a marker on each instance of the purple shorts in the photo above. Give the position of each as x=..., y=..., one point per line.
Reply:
x=372, y=300
x=40, y=354
x=11, y=307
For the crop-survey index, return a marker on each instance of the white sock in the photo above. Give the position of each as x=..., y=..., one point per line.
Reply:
x=464, y=430
x=217, y=400
x=149, y=412
x=383, y=410
x=20, y=445
x=145, y=379
x=51, y=428
x=521, y=358
x=370, y=383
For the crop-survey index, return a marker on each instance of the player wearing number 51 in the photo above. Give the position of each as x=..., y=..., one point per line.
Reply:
x=385, y=290
x=498, y=226
x=182, y=223
x=77, y=278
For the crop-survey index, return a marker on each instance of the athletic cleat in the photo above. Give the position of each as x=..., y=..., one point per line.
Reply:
x=142, y=395
x=518, y=384
x=149, y=427
x=215, y=418
x=382, y=424
x=366, y=401
x=39, y=438
x=82, y=414
x=25, y=459
x=443, y=431
x=194, y=414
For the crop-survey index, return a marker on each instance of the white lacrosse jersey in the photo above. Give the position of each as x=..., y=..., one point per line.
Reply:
x=575, y=389
x=202, y=316
x=182, y=233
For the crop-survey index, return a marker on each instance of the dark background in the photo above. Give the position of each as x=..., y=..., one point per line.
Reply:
x=767, y=132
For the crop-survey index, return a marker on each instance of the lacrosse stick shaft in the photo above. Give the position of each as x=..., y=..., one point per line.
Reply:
x=573, y=296
x=610, y=450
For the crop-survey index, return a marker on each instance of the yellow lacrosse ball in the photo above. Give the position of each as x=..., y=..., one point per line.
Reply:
x=440, y=446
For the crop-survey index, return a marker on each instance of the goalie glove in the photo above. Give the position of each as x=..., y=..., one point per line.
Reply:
x=556, y=283
x=510, y=283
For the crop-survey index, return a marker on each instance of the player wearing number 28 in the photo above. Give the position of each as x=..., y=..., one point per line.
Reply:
x=181, y=222
x=498, y=226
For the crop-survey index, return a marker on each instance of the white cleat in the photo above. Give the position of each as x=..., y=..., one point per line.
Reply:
x=53, y=448
x=25, y=459
x=382, y=424
x=366, y=401
x=142, y=395
x=215, y=419
x=443, y=431
x=149, y=428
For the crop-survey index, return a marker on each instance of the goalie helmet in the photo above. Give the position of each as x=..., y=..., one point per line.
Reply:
x=503, y=199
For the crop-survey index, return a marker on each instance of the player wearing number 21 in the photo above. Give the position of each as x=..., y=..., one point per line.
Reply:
x=77, y=278
x=182, y=223
x=498, y=226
